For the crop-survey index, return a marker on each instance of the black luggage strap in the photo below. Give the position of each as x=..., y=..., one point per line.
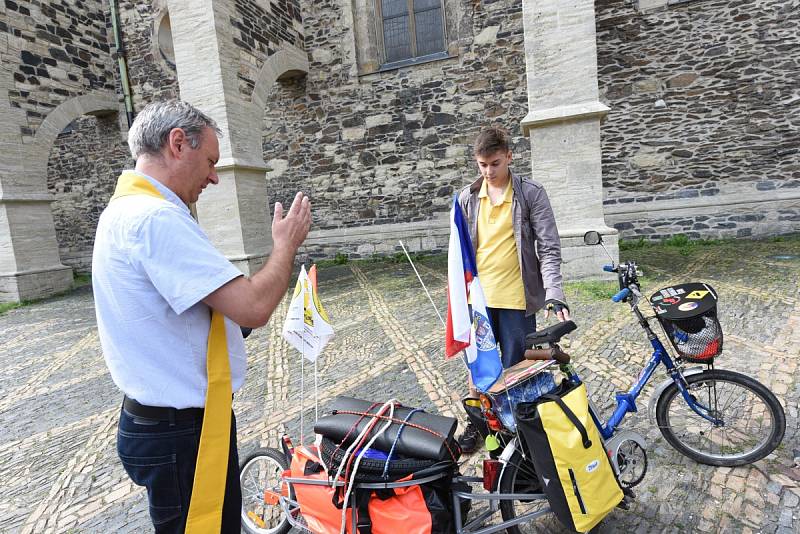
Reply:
x=571, y=416
x=312, y=468
x=363, y=521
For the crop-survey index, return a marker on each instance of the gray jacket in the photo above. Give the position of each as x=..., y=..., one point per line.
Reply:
x=536, y=234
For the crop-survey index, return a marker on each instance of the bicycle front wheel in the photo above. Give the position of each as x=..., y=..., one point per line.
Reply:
x=261, y=471
x=749, y=421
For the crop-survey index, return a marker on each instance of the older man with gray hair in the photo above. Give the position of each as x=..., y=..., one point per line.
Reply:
x=169, y=310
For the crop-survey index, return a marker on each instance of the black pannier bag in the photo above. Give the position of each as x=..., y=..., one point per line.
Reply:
x=688, y=315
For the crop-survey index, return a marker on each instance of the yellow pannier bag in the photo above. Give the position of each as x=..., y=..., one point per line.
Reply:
x=569, y=456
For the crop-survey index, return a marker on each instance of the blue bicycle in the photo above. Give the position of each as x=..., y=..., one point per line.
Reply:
x=713, y=416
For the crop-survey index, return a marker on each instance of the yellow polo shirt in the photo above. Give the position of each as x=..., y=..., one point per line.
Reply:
x=498, y=265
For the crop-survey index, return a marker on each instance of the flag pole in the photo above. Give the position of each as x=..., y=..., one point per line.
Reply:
x=302, y=372
x=302, y=388
x=316, y=392
x=463, y=354
x=422, y=283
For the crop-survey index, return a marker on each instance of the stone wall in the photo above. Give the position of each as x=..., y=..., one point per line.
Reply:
x=392, y=147
x=89, y=154
x=84, y=164
x=152, y=76
x=260, y=27
x=59, y=50
x=703, y=134
x=702, y=138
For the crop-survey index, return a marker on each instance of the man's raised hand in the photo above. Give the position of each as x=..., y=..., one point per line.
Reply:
x=291, y=230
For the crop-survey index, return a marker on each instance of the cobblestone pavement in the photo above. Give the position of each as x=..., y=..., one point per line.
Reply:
x=58, y=406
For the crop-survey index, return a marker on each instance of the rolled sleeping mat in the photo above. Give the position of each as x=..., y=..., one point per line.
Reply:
x=425, y=435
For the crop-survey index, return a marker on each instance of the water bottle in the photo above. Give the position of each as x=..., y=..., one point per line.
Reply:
x=679, y=335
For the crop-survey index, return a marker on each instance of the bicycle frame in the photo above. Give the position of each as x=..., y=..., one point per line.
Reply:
x=626, y=402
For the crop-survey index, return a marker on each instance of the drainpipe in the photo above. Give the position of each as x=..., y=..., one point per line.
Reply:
x=123, y=66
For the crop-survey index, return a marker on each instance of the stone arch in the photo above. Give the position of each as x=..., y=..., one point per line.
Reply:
x=97, y=103
x=288, y=62
x=64, y=212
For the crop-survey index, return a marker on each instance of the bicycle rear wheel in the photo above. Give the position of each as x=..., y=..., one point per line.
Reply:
x=261, y=471
x=752, y=420
x=520, y=476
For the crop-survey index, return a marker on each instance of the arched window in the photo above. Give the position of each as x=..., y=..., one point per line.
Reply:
x=410, y=29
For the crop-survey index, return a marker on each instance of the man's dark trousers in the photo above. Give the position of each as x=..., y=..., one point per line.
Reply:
x=162, y=456
x=510, y=328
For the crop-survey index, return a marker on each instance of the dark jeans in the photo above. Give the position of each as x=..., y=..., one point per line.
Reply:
x=161, y=457
x=510, y=328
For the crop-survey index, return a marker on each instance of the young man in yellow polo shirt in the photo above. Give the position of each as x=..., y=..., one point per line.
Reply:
x=517, y=248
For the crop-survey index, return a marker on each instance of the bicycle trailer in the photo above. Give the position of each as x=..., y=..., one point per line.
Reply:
x=403, y=481
x=419, y=503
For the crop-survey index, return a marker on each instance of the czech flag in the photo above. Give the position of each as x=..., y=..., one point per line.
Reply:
x=465, y=330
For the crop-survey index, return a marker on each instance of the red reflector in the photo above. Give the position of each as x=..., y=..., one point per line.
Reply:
x=491, y=472
x=271, y=497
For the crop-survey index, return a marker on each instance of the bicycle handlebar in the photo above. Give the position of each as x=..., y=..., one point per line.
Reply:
x=622, y=295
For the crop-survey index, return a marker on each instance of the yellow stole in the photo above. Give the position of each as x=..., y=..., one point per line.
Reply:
x=208, y=489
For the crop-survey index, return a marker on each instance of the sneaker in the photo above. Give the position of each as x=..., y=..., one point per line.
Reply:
x=468, y=440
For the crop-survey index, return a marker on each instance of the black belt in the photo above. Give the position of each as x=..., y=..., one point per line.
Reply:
x=161, y=413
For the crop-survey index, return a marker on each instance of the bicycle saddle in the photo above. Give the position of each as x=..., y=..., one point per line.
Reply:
x=551, y=334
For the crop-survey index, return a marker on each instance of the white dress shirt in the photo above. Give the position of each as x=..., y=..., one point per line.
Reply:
x=152, y=266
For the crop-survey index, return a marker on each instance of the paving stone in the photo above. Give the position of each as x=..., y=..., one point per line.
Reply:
x=58, y=406
x=773, y=487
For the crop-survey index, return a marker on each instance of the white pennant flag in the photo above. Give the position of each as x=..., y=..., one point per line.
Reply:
x=307, y=327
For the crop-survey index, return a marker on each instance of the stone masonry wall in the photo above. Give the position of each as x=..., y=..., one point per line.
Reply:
x=151, y=76
x=60, y=49
x=84, y=164
x=88, y=155
x=704, y=98
x=702, y=138
x=393, y=146
x=260, y=27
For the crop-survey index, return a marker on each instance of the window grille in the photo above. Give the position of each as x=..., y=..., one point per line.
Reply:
x=411, y=29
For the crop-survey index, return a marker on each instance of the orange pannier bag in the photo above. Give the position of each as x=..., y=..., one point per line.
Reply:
x=388, y=511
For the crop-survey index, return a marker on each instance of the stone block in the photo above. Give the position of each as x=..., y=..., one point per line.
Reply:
x=377, y=120
x=353, y=134
x=647, y=159
x=682, y=80
x=650, y=85
x=31, y=285
x=487, y=36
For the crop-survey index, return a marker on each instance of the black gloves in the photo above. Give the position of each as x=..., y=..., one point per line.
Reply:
x=556, y=306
